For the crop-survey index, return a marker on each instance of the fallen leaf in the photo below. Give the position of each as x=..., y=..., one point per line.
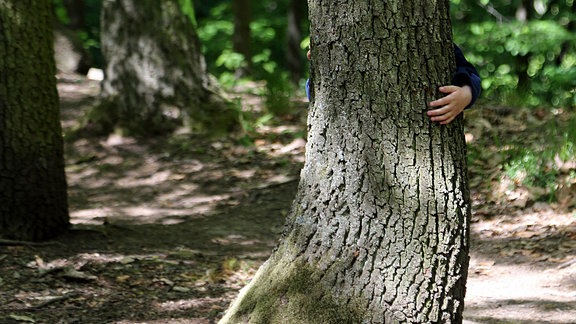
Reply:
x=78, y=275
x=180, y=289
x=525, y=234
x=123, y=278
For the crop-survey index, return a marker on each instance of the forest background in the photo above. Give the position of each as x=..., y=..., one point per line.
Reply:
x=523, y=49
x=521, y=154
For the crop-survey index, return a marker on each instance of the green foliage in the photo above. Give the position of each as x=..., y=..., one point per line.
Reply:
x=530, y=169
x=541, y=165
x=250, y=122
x=188, y=10
x=60, y=12
x=529, y=154
x=506, y=50
x=268, y=30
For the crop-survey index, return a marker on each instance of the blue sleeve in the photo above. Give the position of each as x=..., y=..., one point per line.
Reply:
x=308, y=89
x=466, y=74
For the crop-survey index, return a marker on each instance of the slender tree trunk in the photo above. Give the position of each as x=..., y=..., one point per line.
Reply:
x=571, y=27
x=294, y=53
x=378, y=232
x=33, y=197
x=524, y=13
x=242, y=37
x=155, y=75
x=76, y=10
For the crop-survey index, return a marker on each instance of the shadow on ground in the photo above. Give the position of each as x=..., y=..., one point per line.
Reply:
x=167, y=231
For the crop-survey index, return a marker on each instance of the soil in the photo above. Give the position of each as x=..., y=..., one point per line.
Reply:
x=168, y=230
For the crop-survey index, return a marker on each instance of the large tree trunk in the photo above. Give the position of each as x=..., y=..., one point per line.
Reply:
x=378, y=232
x=155, y=75
x=33, y=198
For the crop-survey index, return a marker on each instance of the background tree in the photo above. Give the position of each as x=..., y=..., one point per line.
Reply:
x=524, y=12
x=76, y=10
x=155, y=75
x=294, y=52
x=69, y=31
x=571, y=27
x=33, y=198
x=242, y=38
x=378, y=232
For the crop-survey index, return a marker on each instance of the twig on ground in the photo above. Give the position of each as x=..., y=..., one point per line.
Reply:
x=53, y=301
x=5, y=242
x=567, y=264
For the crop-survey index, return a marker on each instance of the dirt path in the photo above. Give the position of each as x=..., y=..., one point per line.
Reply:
x=168, y=231
x=523, y=269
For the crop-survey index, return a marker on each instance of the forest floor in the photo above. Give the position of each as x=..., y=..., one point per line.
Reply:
x=168, y=230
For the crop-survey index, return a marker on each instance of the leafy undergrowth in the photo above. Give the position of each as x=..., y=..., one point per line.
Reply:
x=167, y=231
x=519, y=157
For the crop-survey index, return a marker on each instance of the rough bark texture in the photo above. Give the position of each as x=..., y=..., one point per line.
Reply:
x=155, y=76
x=379, y=228
x=33, y=198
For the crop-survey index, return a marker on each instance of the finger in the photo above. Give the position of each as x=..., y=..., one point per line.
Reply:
x=448, y=121
x=441, y=102
x=442, y=114
x=448, y=89
x=444, y=100
x=439, y=112
x=444, y=119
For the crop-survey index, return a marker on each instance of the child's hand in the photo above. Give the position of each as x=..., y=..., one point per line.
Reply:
x=308, y=55
x=450, y=106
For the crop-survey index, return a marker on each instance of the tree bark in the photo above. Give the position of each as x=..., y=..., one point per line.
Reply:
x=379, y=229
x=33, y=197
x=155, y=75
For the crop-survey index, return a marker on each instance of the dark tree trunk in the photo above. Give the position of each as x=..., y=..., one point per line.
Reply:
x=76, y=10
x=571, y=27
x=33, y=197
x=242, y=37
x=294, y=52
x=379, y=230
x=524, y=13
x=155, y=75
